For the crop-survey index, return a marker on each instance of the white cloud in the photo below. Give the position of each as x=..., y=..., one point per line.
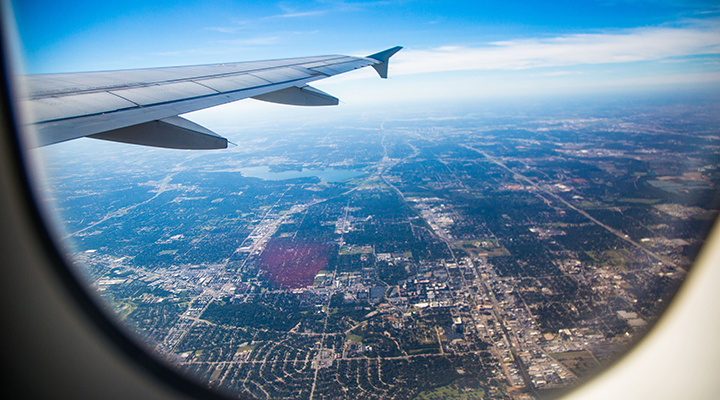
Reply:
x=289, y=12
x=257, y=41
x=676, y=79
x=301, y=14
x=329, y=7
x=225, y=29
x=640, y=44
x=561, y=73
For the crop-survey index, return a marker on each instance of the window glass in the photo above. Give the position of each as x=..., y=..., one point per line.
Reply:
x=503, y=217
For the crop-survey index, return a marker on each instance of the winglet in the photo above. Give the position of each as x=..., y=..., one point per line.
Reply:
x=383, y=57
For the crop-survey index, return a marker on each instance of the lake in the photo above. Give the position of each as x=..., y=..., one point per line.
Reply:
x=327, y=175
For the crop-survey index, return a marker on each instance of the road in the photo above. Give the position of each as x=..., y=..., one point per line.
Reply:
x=615, y=232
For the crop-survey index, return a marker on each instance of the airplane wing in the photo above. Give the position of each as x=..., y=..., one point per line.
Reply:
x=141, y=106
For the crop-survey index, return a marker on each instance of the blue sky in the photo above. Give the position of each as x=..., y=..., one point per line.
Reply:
x=453, y=50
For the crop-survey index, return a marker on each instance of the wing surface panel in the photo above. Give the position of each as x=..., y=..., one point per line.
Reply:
x=280, y=75
x=52, y=108
x=69, y=106
x=149, y=95
x=71, y=83
x=67, y=129
x=233, y=83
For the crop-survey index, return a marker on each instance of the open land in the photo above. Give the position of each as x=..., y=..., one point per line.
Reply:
x=474, y=257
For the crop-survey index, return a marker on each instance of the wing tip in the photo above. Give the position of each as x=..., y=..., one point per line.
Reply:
x=384, y=58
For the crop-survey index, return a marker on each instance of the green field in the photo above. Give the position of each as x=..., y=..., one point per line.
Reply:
x=243, y=349
x=355, y=338
x=639, y=201
x=451, y=392
x=610, y=258
x=579, y=362
x=348, y=250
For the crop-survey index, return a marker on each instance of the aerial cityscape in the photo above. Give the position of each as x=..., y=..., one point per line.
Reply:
x=467, y=254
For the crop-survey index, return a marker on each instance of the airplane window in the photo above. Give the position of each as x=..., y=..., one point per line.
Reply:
x=503, y=217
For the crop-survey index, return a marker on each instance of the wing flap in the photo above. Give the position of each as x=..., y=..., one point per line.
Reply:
x=170, y=133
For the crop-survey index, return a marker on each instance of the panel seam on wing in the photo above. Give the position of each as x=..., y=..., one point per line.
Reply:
x=171, y=81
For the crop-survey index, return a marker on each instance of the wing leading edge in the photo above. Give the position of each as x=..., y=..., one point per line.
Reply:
x=142, y=106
